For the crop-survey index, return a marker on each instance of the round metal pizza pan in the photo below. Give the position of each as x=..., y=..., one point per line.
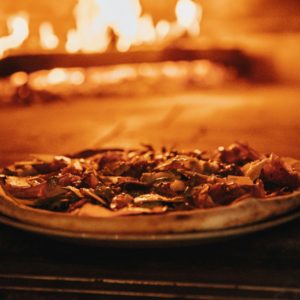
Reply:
x=150, y=240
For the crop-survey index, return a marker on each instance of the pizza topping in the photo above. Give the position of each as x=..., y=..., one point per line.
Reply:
x=240, y=180
x=223, y=193
x=91, y=210
x=91, y=180
x=76, y=191
x=178, y=185
x=238, y=153
x=68, y=179
x=90, y=192
x=201, y=198
x=105, y=192
x=122, y=182
x=292, y=163
x=33, y=188
x=279, y=174
x=181, y=162
x=75, y=205
x=54, y=203
x=253, y=169
x=157, y=176
x=46, y=167
x=15, y=181
x=157, y=198
x=120, y=201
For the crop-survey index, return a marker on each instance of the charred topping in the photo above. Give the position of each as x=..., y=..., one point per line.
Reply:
x=146, y=179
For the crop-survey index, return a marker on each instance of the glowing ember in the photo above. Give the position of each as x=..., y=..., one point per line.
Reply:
x=18, y=32
x=19, y=78
x=182, y=71
x=134, y=80
x=76, y=77
x=57, y=76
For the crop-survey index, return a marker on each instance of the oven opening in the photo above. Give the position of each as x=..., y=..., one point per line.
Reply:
x=184, y=73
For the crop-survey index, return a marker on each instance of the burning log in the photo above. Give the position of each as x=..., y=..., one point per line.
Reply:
x=30, y=63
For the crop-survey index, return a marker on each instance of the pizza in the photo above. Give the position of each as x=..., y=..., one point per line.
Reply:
x=125, y=191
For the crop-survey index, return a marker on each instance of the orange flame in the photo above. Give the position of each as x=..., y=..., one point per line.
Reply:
x=18, y=32
x=188, y=14
x=101, y=24
x=48, y=39
x=95, y=19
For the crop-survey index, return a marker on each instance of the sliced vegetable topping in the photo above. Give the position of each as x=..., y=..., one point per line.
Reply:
x=111, y=182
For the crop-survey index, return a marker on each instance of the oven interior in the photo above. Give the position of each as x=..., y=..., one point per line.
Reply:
x=175, y=73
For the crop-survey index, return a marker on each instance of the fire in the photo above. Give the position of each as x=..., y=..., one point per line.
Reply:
x=91, y=34
x=44, y=79
x=48, y=39
x=162, y=29
x=18, y=32
x=188, y=13
x=101, y=25
x=57, y=76
x=96, y=19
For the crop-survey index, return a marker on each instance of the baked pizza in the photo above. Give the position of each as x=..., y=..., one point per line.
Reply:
x=144, y=190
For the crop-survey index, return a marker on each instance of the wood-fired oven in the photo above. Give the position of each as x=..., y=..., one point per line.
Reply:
x=177, y=73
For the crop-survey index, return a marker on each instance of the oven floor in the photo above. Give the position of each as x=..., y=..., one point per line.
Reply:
x=267, y=117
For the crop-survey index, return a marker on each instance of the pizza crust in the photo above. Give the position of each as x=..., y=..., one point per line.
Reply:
x=248, y=211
